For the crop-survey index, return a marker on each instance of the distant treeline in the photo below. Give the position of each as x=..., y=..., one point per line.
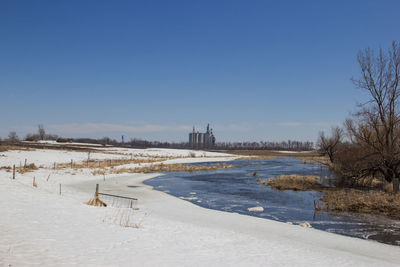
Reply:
x=290, y=145
x=139, y=143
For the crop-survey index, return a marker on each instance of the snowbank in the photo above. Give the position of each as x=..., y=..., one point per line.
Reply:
x=41, y=227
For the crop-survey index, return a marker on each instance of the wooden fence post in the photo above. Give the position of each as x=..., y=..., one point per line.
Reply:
x=25, y=164
x=13, y=171
x=60, y=189
x=96, y=194
x=71, y=163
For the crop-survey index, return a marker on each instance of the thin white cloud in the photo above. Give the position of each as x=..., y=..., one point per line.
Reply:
x=92, y=128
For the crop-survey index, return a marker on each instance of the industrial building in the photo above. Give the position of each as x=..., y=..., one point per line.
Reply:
x=202, y=140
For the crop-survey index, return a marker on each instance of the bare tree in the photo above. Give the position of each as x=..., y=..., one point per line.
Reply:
x=42, y=132
x=376, y=126
x=13, y=137
x=32, y=137
x=330, y=145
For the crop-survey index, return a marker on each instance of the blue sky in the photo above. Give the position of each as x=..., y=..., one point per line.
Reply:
x=254, y=70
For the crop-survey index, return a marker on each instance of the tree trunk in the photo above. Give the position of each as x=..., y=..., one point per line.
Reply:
x=395, y=186
x=330, y=155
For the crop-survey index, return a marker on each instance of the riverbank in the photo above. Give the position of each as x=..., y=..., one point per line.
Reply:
x=340, y=199
x=41, y=227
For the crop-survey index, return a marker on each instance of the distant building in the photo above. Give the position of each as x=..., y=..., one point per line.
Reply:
x=202, y=140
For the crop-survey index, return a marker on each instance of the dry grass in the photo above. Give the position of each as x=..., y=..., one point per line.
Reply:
x=340, y=199
x=28, y=168
x=94, y=164
x=363, y=202
x=365, y=183
x=6, y=168
x=296, y=183
x=16, y=146
x=373, y=183
x=316, y=159
x=60, y=146
x=111, y=163
x=257, y=158
x=99, y=172
x=178, y=167
x=172, y=168
x=272, y=153
x=309, y=157
x=96, y=201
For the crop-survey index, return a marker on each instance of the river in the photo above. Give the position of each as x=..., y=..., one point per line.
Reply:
x=236, y=190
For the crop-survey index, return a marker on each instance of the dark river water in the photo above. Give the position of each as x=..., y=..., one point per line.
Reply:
x=236, y=190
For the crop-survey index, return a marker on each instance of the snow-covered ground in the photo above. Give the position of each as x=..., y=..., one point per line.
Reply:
x=41, y=227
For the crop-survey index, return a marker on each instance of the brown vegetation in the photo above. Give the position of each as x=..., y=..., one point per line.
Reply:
x=307, y=157
x=257, y=158
x=342, y=199
x=61, y=146
x=364, y=183
x=96, y=201
x=92, y=164
x=27, y=168
x=6, y=168
x=167, y=168
x=273, y=153
x=5, y=146
x=362, y=202
x=316, y=159
x=296, y=183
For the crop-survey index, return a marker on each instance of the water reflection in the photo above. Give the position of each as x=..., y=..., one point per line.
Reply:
x=235, y=190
